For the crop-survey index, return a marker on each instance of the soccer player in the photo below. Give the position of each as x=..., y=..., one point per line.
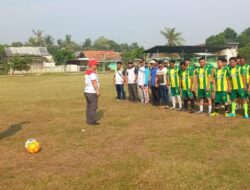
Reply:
x=132, y=74
x=237, y=86
x=246, y=67
x=161, y=79
x=119, y=81
x=191, y=68
x=221, y=87
x=186, y=83
x=204, y=79
x=173, y=82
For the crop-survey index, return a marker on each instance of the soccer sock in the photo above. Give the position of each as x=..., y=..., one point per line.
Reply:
x=185, y=103
x=179, y=101
x=245, y=106
x=226, y=108
x=173, y=101
x=234, y=107
x=201, y=108
x=216, y=108
x=210, y=108
x=192, y=103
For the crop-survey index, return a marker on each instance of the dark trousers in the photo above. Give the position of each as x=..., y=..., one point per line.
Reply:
x=121, y=95
x=155, y=96
x=91, y=107
x=133, y=92
x=164, y=94
x=186, y=103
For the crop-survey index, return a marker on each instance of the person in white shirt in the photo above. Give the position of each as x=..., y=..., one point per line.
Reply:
x=142, y=81
x=132, y=75
x=119, y=81
x=162, y=82
x=91, y=92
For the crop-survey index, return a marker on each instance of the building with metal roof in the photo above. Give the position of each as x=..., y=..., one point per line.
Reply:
x=26, y=51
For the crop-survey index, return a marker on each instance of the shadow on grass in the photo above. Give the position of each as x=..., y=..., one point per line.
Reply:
x=12, y=130
x=99, y=115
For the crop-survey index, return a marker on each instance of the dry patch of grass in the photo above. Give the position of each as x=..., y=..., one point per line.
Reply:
x=136, y=146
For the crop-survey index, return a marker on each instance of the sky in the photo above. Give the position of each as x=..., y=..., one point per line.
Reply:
x=121, y=20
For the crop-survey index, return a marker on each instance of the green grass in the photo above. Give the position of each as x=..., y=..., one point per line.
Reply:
x=136, y=146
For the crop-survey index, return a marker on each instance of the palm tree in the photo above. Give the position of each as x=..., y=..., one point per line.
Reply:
x=174, y=38
x=39, y=37
x=68, y=38
x=49, y=40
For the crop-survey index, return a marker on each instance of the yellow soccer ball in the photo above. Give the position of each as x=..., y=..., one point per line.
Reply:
x=32, y=146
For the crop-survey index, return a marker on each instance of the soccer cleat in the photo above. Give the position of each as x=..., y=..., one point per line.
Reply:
x=231, y=115
x=226, y=114
x=192, y=111
x=166, y=107
x=246, y=116
x=214, y=114
x=172, y=108
x=179, y=109
x=209, y=113
x=199, y=112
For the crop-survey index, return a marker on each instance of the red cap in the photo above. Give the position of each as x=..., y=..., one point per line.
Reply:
x=92, y=62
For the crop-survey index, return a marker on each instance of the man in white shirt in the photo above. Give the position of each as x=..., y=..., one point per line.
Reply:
x=119, y=81
x=142, y=81
x=91, y=92
x=132, y=75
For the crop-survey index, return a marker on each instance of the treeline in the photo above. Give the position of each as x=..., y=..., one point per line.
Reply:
x=230, y=35
x=63, y=50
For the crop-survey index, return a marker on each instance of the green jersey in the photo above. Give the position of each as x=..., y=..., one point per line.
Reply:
x=220, y=76
x=236, y=75
x=246, y=68
x=173, y=74
x=203, y=75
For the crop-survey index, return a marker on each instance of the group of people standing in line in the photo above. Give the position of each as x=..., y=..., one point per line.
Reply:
x=220, y=86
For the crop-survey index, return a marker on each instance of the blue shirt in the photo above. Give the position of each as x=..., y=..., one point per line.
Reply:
x=147, y=72
x=153, y=75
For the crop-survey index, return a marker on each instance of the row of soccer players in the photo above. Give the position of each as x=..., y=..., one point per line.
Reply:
x=227, y=83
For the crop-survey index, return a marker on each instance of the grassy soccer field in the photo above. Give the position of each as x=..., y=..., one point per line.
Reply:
x=136, y=146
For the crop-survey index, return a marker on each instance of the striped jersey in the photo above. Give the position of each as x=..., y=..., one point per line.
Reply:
x=202, y=76
x=246, y=67
x=236, y=77
x=173, y=74
x=185, y=77
x=220, y=76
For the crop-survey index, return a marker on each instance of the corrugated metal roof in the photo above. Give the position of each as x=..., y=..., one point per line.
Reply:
x=24, y=51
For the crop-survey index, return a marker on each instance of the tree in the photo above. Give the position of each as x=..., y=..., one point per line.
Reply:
x=87, y=45
x=49, y=40
x=245, y=52
x=18, y=63
x=101, y=43
x=217, y=40
x=67, y=39
x=173, y=38
x=133, y=53
x=244, y=38
x=61, y=56
x=17, y=44
x=220, y=39
x=230, y=34
x=38, y=37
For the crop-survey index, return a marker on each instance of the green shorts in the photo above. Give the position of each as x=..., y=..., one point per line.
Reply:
x=187, y=94
x=247, y=92
x=175, y=91
x=240, y=93
x=221, y=97
x=202, y=93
